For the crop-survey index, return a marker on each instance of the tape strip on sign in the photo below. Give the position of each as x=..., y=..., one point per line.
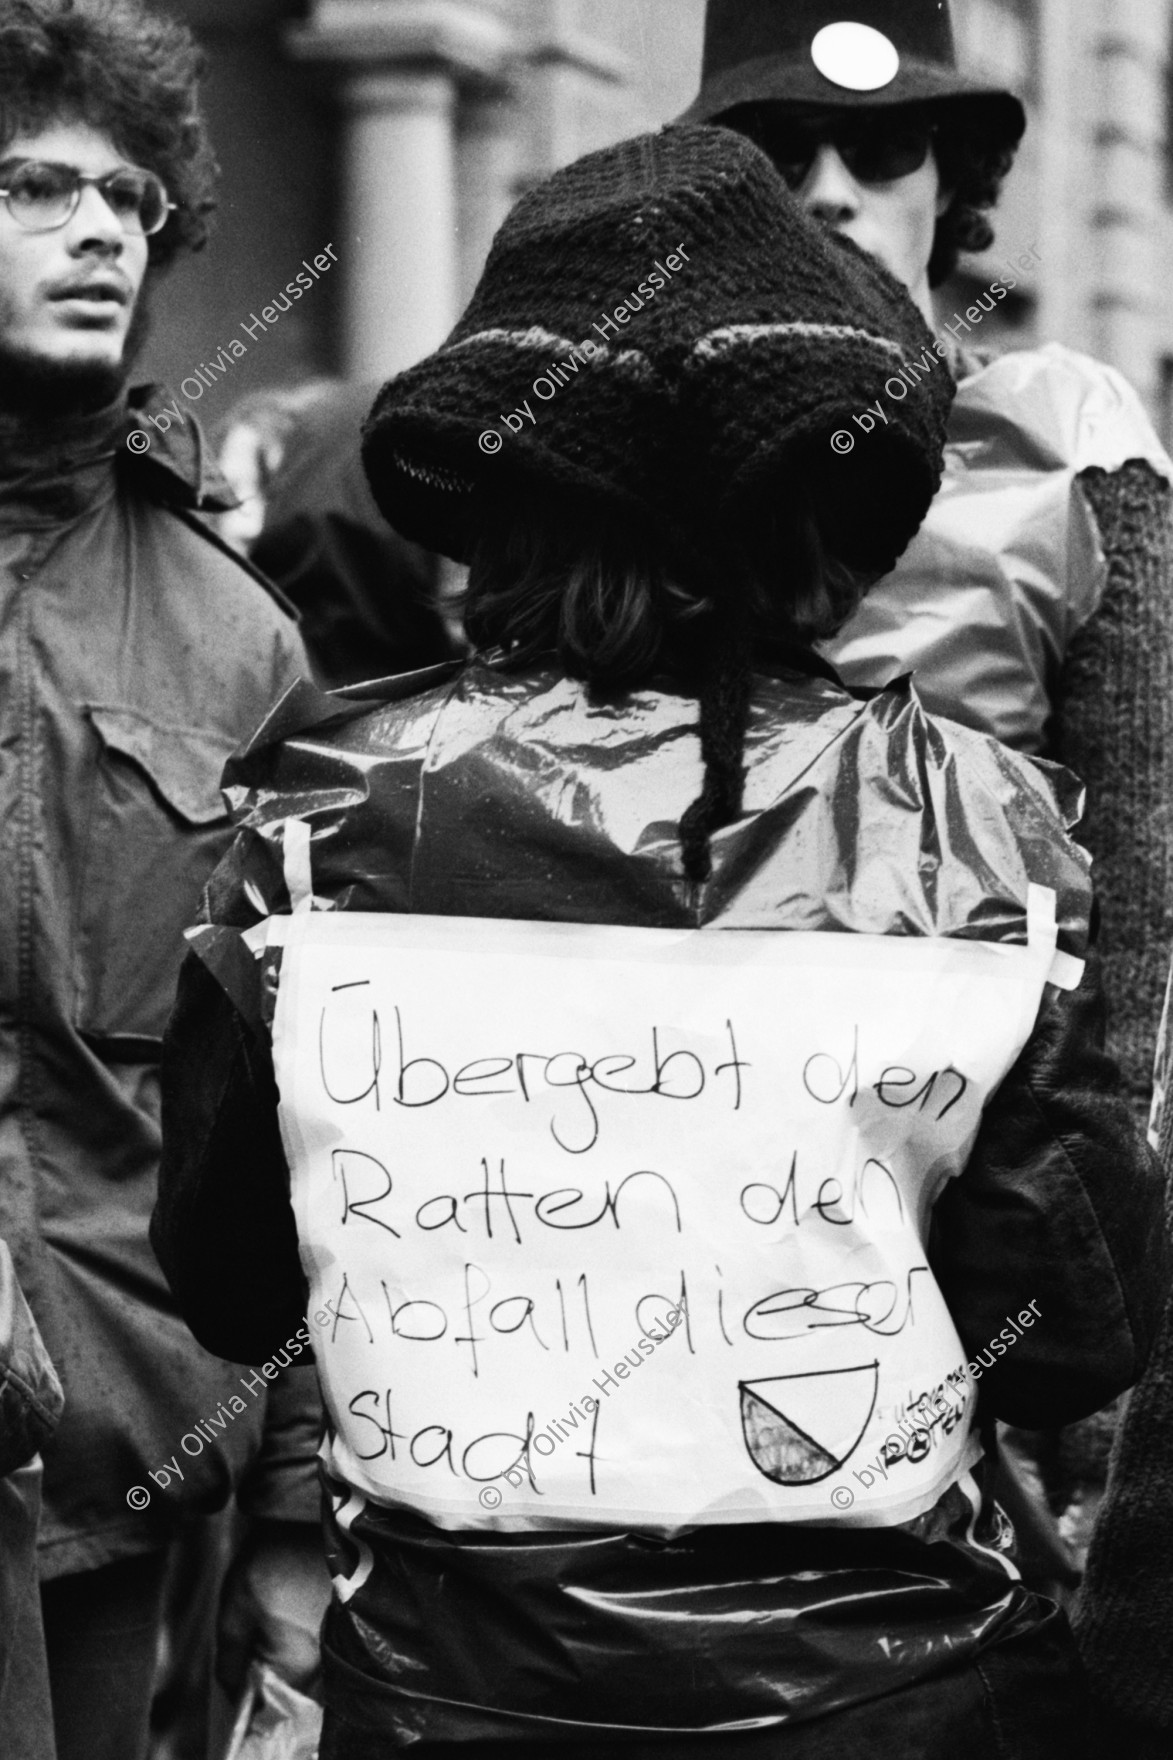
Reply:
x=519, y=1149
x=299, y=880
x=1066, y=971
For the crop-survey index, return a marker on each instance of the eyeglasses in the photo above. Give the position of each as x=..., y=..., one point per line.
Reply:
x=42, y=196
x=878, y=150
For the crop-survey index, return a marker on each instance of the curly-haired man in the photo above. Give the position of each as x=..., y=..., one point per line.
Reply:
x=135, y=653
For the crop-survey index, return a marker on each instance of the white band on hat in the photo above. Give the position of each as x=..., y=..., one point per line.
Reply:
x=729, y=336
x=548, y=342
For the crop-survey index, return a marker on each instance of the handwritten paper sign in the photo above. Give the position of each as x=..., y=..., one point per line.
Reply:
x=516, y=1148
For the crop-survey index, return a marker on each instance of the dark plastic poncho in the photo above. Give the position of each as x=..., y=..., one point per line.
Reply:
x=469, y=792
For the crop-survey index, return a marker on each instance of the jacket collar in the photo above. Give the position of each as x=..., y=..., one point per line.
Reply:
x=174, y=464
x=54, y=470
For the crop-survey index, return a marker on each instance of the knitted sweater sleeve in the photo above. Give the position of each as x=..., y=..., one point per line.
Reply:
x=1124, y=1616
x=1114, y=728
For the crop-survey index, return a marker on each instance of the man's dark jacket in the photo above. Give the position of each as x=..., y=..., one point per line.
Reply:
x=30, y=1406
x=135, y=653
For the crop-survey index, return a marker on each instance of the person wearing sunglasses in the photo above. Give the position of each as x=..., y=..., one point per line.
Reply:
x=873, y=176
x=135, y=654
x=1036, y=603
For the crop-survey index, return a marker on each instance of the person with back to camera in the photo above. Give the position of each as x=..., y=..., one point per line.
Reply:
x=860, y=1245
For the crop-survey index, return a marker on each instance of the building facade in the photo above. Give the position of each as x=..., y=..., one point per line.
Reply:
x=389, y=137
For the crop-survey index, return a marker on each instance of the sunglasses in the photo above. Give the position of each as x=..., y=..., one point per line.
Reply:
x=876, y=150
x=42, y=196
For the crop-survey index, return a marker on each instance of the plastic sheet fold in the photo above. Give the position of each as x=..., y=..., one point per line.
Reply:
x=469, y=791
x=1008, y=565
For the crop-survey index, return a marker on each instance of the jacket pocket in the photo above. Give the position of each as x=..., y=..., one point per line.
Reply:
x=157, y=827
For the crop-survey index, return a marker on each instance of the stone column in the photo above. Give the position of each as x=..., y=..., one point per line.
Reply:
x=399, y=69
x=1062, y=156
x=489, y=158
x=1129, y=50
x=578, y=89
x=400, y=218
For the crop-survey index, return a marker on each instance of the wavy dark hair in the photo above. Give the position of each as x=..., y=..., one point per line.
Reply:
x=611, y=601
x=972, y=163
x=126, y=72
x=553, y=578
x=974, y=167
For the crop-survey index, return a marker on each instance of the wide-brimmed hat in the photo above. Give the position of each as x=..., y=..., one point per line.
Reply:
x=865, y=54
x=660, y=327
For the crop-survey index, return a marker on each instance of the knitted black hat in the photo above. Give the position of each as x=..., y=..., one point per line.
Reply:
x=706, y=328
x=810, y=52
